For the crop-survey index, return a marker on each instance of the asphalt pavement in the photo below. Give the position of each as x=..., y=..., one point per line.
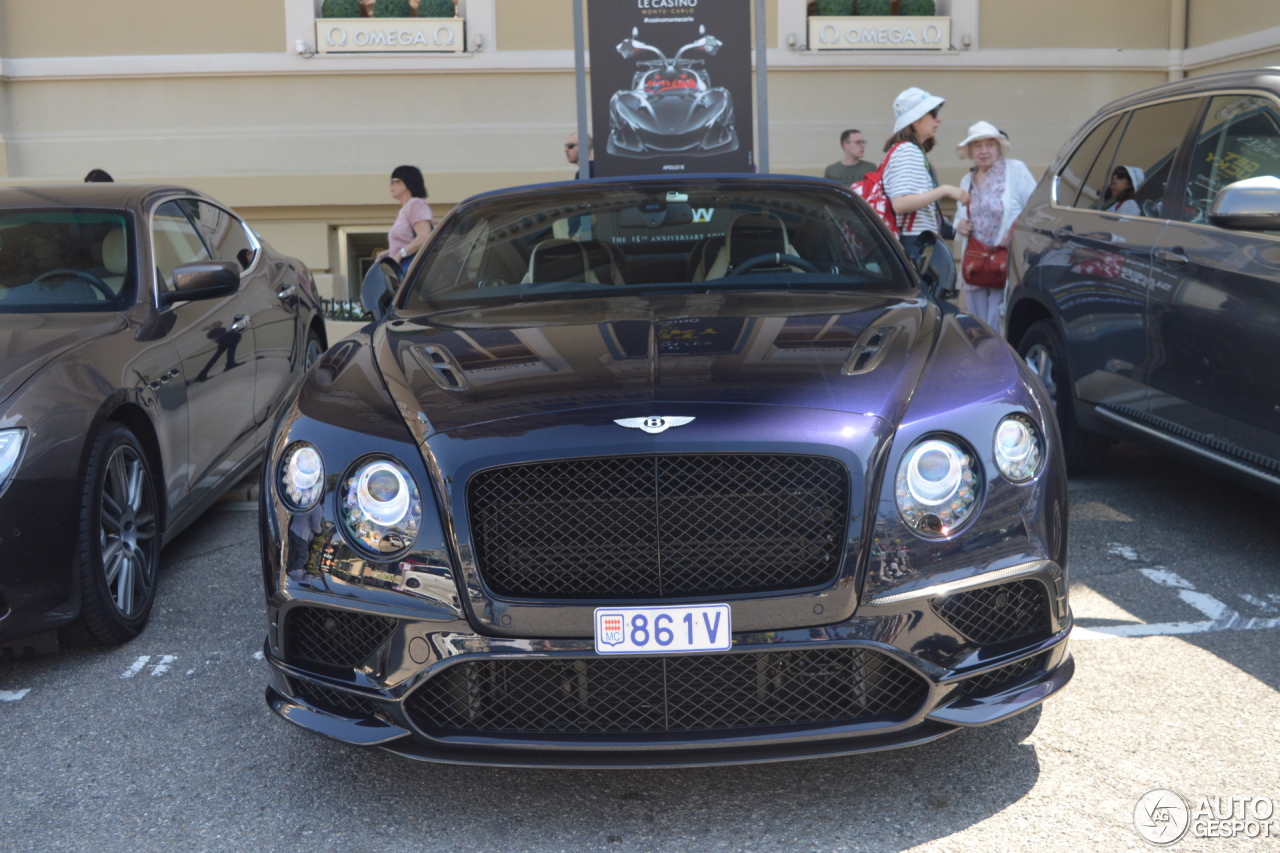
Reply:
x=166, y=744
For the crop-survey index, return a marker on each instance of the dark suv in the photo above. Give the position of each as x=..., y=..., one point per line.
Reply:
x=1144, y=279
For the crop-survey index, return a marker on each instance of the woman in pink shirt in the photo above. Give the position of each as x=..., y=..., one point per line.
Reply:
x=414, y=223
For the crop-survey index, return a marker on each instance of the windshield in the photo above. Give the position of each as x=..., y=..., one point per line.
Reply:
x=655, y=238
x=65, y=260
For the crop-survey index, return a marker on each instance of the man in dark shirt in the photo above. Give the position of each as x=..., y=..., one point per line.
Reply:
x=571, y=154
x=852, y=167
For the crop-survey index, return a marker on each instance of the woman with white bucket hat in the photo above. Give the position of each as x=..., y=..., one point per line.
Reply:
x=908, y=179
x=998, y=188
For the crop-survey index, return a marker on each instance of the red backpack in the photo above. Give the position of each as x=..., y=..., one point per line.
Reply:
x=871, y=189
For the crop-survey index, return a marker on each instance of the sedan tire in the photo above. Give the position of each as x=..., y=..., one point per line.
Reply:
x=119, y=544
x=1042, y=349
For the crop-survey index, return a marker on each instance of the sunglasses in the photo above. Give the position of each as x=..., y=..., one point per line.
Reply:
x=568, y=145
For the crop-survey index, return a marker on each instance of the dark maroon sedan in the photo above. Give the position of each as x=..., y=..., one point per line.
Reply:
x=148, y=339
x=659, y=472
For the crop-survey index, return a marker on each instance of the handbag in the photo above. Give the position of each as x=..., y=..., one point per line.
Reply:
x=983, y=265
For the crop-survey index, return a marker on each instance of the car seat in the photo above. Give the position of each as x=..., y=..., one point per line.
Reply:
x=751, y=234
x=557, y=260
x=115, y=257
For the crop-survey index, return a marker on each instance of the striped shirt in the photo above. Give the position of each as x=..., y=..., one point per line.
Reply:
x=908, y=173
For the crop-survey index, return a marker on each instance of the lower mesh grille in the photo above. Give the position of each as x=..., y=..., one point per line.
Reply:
x=338, y=701
x=986, y=681
x=685, y=693
x=334, y=637
x=994, y=614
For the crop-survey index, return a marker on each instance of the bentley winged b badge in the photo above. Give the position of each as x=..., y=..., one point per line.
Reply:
x=653, y=426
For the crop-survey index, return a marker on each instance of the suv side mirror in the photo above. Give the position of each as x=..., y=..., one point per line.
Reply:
x=936, y=267
x=203, y=280
x=1252, y=204
x=379, y=287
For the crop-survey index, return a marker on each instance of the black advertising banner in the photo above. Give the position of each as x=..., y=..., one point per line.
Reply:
x=671, y=86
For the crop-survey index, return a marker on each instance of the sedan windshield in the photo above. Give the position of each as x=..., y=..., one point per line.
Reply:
x=656, y=237
x=65, y=260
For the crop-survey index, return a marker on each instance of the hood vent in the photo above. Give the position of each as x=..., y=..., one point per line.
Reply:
x=442, y=367
x=870, y=350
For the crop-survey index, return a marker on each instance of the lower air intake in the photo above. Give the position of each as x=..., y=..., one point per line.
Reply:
x=994, y=614
x=334, y=637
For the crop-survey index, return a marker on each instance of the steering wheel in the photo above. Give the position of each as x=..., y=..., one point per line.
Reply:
x=97, y=283
x=777, y=259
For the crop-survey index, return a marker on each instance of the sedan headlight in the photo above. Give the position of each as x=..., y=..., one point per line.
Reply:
x=12, y=442
x=302, y=476
x=381, y=508
x=937, y=487
x=1018, y=448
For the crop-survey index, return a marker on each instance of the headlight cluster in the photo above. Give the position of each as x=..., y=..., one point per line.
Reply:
x=939, y=480
x=937, y=487
x=380, y=507
x=379, y=502
x=12, y=442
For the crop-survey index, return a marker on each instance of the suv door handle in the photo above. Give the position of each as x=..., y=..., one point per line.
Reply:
x=1172, y=257
x=241, y=323
x=287, y=291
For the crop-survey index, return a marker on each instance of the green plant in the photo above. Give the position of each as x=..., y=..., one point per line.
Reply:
x=392, y=9
x=340, y=9
x=879, y=8
x=436, y=9
x=835, y=8
x=917, y=7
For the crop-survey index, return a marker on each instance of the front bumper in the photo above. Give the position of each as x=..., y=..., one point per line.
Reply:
x=958, y=685
x=39, y=534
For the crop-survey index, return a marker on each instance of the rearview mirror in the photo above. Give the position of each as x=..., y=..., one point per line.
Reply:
x=936, y=267
x=1251, y=204
x=203, y=280
x=379, y=288
x=655, y=214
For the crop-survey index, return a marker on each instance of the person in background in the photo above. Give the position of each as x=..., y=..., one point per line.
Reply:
x=98, y=176
x=415, y=221
x=998, y=190
x=909, y=179
x=571, y=154
x=851, y=168
x=1118, y=198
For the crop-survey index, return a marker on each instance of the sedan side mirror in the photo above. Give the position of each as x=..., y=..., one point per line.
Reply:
x=1252, y=204
x=936, y=267
x=379, y=287
x=203, y=280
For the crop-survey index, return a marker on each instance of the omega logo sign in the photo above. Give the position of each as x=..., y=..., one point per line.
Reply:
x=391, y=35
x=859, y=33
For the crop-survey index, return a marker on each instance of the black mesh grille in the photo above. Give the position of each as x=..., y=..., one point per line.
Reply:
x=684, y=693
x=659, y=526
x=337, y=701
x=994, y=614
x=334, y=637
x=986, y=681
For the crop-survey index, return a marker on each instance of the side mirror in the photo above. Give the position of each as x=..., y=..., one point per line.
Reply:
x=1251, y=204
x=936, y=267
x=379, y=287
x=203, y=280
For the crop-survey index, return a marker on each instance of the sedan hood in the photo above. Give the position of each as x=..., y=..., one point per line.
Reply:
x=783, y=349
x=29, y=341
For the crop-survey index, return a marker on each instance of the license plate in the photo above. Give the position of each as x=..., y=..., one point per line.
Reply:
x=662, y=630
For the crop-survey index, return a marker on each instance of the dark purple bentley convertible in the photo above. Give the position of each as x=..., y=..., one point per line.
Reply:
x=660, y=472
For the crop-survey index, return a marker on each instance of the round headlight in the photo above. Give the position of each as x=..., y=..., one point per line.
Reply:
x=381, y=508
x=1018, y=448
x=302, y=476
x=936, y=488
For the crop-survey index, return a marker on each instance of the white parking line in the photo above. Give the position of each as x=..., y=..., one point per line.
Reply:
x=135, y=667
x=1218, y=616
x=1264, y=606
x=13, y=695
x=163, y=665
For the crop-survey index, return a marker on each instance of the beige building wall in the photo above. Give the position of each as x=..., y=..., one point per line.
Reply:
x=226, y=97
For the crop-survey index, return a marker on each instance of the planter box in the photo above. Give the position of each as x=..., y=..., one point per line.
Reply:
x=867, y=33
x=390, y=35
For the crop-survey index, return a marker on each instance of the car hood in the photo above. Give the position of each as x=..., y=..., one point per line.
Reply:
x=476, y=365
x=29, y=341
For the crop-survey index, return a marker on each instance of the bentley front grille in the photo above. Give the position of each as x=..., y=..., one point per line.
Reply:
x=659, y=526
x=993, y=614
x=679, y=693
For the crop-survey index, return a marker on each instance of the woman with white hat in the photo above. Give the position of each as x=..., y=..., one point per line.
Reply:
x=1119, y=197
x=998, y=191
x=909, y=180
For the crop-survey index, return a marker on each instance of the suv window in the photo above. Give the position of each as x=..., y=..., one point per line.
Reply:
x=175, y=243
x=1145, y=158
x=226, y=235
x=1073, y=188
x=1239, y=138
